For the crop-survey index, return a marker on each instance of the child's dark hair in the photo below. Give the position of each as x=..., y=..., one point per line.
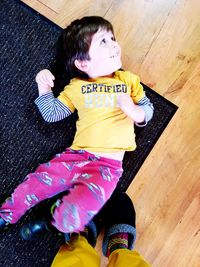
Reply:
x=74, y=43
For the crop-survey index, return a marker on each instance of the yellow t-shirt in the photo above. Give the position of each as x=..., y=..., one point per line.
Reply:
x=102, y=126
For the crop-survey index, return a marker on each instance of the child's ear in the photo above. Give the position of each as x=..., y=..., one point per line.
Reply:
x=82, y=65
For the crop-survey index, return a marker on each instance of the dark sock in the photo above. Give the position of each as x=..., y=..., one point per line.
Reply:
x=117, y=241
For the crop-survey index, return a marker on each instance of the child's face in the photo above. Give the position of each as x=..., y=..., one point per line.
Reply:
x=105, y=55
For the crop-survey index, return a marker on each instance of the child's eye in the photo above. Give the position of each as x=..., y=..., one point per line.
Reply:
x=113, y=38
x=103, y=41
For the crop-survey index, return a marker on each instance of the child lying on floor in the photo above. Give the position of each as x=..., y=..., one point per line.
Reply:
x=108, y=101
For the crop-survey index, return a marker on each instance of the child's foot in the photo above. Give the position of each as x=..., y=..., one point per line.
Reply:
x=33, y=229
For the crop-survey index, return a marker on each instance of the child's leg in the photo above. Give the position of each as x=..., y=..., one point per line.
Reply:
x=93, y=186
x=48, y=180
x=77, y=253
x=27, y=194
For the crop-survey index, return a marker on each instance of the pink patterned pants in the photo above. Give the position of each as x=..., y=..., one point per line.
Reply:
x=90, y=180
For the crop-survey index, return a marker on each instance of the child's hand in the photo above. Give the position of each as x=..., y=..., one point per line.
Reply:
x=44, y=79
x=132, y=110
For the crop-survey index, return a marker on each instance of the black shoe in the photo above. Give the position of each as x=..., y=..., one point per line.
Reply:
x=119, y=214
x=33, y=229
x=119, y=209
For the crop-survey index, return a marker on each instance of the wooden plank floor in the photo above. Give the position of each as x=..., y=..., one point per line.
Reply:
x=161, y=43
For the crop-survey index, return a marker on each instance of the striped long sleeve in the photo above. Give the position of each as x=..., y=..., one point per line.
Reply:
x=51, y=108
x=148, y=108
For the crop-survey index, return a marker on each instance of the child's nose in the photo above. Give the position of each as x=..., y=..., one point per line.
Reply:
x=114, y=45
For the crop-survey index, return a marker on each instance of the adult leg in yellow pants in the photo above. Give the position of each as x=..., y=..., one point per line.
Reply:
x=125, y=257
x=118, y=217
x=79, y=253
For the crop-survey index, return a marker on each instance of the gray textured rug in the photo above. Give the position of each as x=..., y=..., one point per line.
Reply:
x=26, y=45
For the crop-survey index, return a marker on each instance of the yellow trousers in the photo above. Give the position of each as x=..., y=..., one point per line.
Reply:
x=79, y=253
